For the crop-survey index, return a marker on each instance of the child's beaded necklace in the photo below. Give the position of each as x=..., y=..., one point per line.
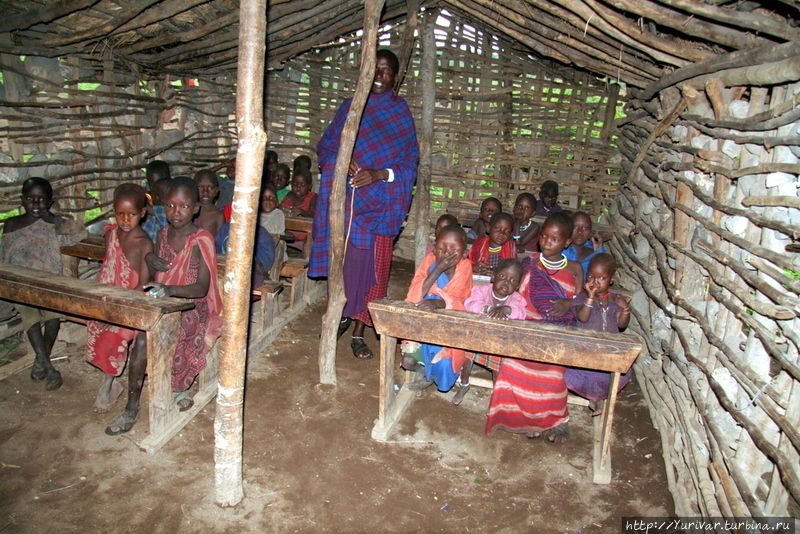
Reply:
x=603, y=309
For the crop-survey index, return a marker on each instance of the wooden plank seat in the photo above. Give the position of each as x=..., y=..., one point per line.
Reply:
x=160, y=318
x=525, y=340
x=294, y=269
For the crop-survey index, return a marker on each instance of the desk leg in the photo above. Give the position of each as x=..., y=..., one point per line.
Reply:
x=162, y=340
x=69, y=265
x=391, y=405
x=602, y=435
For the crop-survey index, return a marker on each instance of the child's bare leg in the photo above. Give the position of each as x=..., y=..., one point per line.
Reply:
x=137, y=366
x=466, y=370
x=42, y=343
x=107, y=395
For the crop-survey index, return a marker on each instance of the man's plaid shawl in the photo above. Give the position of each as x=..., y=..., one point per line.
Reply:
x=387, y=139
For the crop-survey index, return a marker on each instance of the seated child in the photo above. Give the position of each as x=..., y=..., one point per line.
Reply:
x=500, y=300
x=443, y=221
x=34, y=240
x=302, y=201
x=107, y=345
x=443, y=280
x=487, y=251
x=530, y=397
x=599, y=309
x=226, y=183
x=155, y=171
x=263, y=252
x=480, y=227
x=210, y=217
x=525, y=230
x=584, y=244
x=156, y=214
x=270, y=218
x=185, y=262
x=280, y=179
x=548, y=199
x=301, y=161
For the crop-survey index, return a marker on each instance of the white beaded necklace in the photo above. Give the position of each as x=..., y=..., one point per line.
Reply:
x=501, y=299
x=553, y=265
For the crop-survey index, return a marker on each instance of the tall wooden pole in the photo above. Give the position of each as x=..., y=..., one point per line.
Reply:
x=236, y=317
x=336, y=297
x=422, y=195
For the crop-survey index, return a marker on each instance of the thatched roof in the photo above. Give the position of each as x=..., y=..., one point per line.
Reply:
x=634, y=41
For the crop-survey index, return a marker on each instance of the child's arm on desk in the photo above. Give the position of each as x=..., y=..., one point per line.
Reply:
x=192, y=291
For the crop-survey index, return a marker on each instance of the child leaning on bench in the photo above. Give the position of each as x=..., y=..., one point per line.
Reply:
x=498, y=300
x=185, y=265
x=598, y=309
x=443, y=280
x=108, y=345
x=34, y=240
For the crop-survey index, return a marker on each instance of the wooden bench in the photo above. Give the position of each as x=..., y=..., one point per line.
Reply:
x=525, y=340
x=160, y=318
x=295, y=269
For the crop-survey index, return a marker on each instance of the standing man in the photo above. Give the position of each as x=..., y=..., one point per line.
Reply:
x=382, y=173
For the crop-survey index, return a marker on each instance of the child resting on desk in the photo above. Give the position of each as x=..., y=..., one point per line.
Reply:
x=487, y=251
x=34, y=240
x=598, y=309
x=443, y=280
x=530, y=397
x=270, y=218
x=107, y=345
x=498, y=300
x=185, y=265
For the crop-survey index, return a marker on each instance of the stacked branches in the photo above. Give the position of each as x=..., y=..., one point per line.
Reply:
x=707, y=217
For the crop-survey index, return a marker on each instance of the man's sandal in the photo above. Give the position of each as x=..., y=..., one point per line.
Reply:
x=121, y=424
x=360, y=349
x=344, y=324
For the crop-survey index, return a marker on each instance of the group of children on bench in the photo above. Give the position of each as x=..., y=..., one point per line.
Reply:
x=528, y=397
x=180, y=216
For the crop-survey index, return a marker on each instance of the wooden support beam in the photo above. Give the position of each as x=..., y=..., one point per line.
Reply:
x=228, y=428
x=422, y=194
x=336, y=296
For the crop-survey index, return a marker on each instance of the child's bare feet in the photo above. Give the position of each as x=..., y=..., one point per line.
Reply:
x=419, y=385
x=107, y=395
x=557, y=434
x=596, y=407
x=122, y=423
x=459, y=396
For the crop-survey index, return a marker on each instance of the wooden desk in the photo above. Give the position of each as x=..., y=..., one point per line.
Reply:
x=159, y=318
x=525, y=340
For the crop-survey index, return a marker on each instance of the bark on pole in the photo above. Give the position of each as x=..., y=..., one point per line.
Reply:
x=336, y=297
x=422, y=196
x=236, y=312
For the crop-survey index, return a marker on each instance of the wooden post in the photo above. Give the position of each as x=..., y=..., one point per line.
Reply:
x=422, y=195
x=236, y=314
x=336, y=297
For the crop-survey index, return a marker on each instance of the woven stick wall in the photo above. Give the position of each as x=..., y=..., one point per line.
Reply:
x=707, y=221
x=88, y=126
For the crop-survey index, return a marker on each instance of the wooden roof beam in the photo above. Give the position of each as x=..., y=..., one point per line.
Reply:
x=132, y=10
x=182, y=37
x=590, y=17
x=43, y=14
x=624, y=24
x=562, y=53
x=553, y=28
x=689, y=25
x=751, y=21
x=165, y=9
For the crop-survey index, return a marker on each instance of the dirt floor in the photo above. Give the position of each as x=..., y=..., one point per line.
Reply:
x=309, y=462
